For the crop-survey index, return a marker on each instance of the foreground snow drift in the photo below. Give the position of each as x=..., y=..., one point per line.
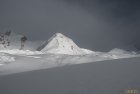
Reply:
x=4, y=59
x=106, y=77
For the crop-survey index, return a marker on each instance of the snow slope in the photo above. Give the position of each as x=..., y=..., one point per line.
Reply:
x=106, y=77
x=60, y=44
x=15, y=61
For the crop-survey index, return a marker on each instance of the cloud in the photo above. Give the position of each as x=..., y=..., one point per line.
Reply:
x=94, y=24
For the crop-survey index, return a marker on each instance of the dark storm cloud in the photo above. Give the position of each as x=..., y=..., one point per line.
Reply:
x=94, y=24
x=121, y=17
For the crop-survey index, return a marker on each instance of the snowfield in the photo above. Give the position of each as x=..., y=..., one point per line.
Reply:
x=15, y=61
x=59, y=68
x=105, y=77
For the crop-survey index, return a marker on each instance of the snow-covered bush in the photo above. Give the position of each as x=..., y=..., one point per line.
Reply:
x=6, y=58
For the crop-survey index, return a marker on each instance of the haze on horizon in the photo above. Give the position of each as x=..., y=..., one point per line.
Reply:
x=92, y=24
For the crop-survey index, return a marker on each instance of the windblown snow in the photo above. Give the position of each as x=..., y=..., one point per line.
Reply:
x=58, y=51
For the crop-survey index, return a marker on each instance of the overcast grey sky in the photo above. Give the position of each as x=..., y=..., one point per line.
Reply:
x=93, y=24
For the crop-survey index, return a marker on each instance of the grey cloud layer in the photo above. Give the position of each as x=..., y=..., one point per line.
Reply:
x=92, y=24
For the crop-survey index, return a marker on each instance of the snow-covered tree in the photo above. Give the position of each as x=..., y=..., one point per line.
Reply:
x=7, y=34
x=23, y=40
x=2, y=40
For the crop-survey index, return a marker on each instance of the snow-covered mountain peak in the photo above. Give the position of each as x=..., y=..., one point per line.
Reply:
x=60, y=44
x=59, y=37
x=59, y=34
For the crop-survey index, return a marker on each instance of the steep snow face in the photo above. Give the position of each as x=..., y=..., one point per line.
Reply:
x=60, y=44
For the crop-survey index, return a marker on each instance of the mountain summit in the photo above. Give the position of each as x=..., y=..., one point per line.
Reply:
x=60, y=44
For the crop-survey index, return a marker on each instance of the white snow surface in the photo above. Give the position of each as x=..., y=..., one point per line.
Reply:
x=106, y=77
x=20, y=52
x=60, y=44
x=4, y=58
x=15, y=61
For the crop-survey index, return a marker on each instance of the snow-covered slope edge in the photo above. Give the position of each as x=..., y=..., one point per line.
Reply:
x=20, y=52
